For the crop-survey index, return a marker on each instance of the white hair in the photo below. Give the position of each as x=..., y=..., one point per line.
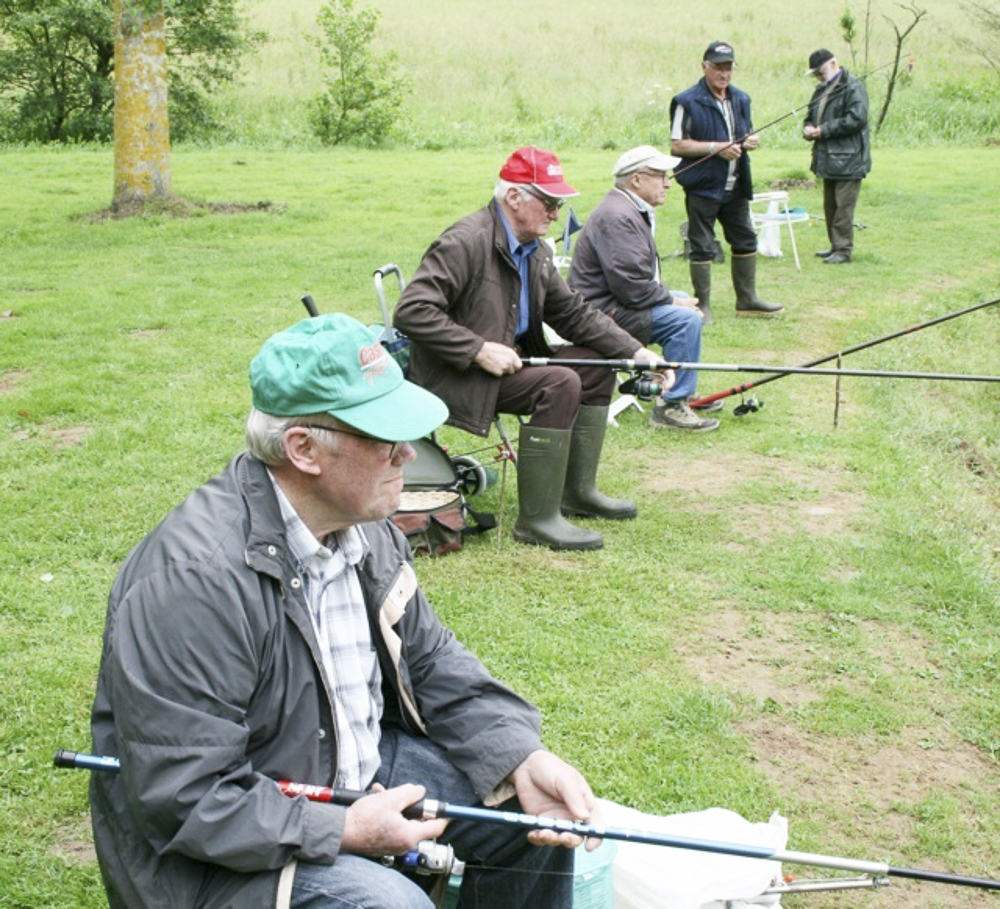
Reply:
x=265, y=434
x=500, y=190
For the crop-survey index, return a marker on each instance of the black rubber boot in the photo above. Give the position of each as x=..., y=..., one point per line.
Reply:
x=542, y=455
x=580, y=494
x=745, y=282
x=701, y=284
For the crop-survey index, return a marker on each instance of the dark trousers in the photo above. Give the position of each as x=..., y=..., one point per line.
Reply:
x=552, y=395
x=733, y=213
x=840, y=198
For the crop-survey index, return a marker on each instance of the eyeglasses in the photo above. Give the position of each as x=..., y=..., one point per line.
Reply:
x=393, y=446
x=550, y=202
x=656, y=175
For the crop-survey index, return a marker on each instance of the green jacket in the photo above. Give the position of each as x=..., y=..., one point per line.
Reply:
x=840, y=108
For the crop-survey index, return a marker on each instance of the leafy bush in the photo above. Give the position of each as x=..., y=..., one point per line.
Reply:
x=365, y=91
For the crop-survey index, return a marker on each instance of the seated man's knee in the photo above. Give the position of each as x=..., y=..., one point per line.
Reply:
x=353, y=882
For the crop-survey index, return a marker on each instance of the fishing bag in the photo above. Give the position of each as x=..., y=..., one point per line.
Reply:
x=433, y=513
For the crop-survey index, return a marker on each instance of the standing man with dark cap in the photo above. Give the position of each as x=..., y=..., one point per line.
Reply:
x=837, y=125
x=712, y=126
x=477, y=305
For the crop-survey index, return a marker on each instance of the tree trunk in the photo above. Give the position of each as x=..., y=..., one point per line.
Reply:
x=142, y=133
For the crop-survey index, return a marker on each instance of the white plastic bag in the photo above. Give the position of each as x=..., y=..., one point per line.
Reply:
x=660, y=877
x=769, y=240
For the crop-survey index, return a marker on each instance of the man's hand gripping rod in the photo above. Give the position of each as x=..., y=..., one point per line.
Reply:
x=428, y=809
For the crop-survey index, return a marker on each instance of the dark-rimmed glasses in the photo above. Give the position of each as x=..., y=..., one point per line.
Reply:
x=393, y=446
x=551, y=203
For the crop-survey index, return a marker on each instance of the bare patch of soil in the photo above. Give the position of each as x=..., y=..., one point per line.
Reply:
x=790, y=183
x=735, y=656
x=825, y=502
x=11, y=381
x=177, y=207
x=64, y=437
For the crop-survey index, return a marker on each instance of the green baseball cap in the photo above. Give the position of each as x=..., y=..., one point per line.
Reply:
x=333, y=364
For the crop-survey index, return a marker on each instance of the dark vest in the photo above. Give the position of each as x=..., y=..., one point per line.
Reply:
x=705, y=123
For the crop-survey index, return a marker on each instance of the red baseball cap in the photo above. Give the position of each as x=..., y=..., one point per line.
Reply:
x=538, y=167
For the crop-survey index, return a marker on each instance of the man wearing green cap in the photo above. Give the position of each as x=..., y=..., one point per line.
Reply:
x=478, y=303
x=271, y=628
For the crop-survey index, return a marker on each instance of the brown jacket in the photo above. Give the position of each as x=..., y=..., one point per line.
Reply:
x=466, y=292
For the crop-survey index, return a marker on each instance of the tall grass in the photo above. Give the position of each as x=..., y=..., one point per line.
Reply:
x=597, y=74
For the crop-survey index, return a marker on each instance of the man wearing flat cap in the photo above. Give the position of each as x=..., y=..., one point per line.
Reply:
x=616, y=267
x=837, y=125
x=271, y=628
x=477, y=304
x=711, y=128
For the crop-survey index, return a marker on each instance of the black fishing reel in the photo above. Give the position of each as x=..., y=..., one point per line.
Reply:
x=643, y=386
x=749, y=405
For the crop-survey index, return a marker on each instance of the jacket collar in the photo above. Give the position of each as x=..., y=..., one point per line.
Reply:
x=267, y=545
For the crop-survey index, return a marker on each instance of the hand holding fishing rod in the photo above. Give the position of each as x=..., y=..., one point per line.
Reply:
x=428, y=809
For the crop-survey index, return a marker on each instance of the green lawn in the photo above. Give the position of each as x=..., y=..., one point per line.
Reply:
x=802, y=619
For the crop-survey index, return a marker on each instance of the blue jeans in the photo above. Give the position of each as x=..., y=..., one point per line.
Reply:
x=677, y=330
x=516, y=875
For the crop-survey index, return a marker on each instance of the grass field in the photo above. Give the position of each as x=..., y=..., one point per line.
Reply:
x=597, y=75
x=802, y=619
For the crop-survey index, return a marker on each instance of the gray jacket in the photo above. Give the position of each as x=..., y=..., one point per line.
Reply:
x=211, y=688
x=614, y=265
x=467, y=291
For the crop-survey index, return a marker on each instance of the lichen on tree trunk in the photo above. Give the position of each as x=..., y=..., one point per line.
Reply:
x=142, y=130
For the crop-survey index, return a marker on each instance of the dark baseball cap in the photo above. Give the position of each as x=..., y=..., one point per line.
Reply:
x=720, y=52
x=817, y=58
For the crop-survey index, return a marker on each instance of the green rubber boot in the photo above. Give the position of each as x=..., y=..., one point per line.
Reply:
x=701, y=284
x=542, y=455
x=580, y=495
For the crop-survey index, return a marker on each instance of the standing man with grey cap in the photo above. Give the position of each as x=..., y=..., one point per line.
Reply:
x=272, y=628
x=616, y=267
x=711, y=125
x=837, y=125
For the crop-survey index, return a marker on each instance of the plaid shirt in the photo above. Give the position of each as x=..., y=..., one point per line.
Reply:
x=350, y=663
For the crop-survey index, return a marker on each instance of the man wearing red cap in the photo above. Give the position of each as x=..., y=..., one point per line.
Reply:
x=476, y=305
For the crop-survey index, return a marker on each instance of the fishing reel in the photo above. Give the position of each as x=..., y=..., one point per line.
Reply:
x=644, y=386
x=748, y=405
x=429, y=857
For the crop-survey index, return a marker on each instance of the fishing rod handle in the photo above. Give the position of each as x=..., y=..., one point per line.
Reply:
x=424, y=810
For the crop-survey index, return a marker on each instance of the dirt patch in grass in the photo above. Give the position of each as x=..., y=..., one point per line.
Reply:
x=818, y=501
x=870, y=793
x=177, y=207
x=64, y=437
x=864, y=793
x=790, y=183
x=12, y=380
x=747, y=656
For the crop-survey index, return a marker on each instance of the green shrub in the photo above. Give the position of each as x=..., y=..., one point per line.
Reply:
x=364, y=92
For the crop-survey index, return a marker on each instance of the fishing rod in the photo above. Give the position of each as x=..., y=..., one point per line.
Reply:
x=864, y=345
x=777, y=120
x=653, y=365
x=430, y=809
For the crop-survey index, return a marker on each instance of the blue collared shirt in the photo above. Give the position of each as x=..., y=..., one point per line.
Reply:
x=521, y=253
